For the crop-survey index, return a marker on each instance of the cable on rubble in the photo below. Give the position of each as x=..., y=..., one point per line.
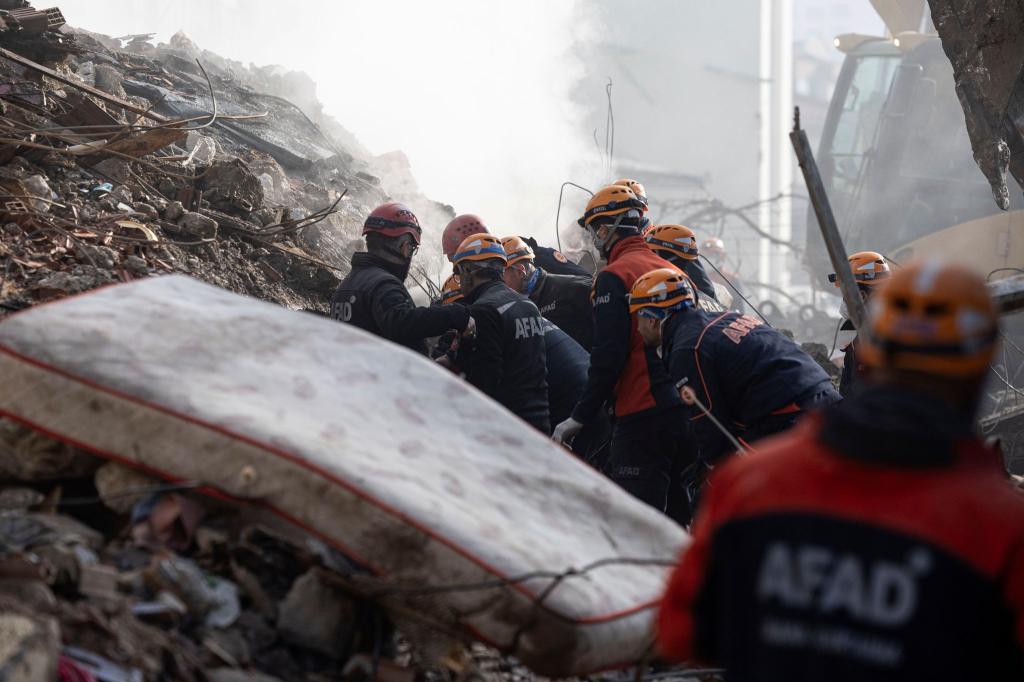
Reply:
x=556, y=576
x=130, y=492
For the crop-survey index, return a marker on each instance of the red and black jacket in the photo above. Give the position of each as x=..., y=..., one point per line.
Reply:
x=830, y=554
x=620, y=366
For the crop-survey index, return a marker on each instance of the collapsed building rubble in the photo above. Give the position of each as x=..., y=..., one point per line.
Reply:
x=121, y=160
x=119, y=163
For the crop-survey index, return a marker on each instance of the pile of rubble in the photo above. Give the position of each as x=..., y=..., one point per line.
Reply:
x=124, y=162
x=120, y=161
x=108, y=574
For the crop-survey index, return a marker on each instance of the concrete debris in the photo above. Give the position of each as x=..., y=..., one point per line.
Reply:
x=198, y=226
x=984, y=44
x=107, y=573
x=316, y=616
x=231, y=187
x=108, y=202
x=29, y=642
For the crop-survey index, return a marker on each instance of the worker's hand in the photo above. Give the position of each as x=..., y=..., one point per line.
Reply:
x=566, y=431
x=470, y=330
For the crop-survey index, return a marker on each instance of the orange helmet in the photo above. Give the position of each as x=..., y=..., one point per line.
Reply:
x=451, y=291
x=869, y=268
x=660, y=292
x=517, y=250
x=931, y=317
x=637, y=188
x=458, y=229
x=676, y=240
x=479, y=247
x=611, y=201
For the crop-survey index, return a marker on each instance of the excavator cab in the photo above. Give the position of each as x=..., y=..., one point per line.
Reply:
x=897, y=164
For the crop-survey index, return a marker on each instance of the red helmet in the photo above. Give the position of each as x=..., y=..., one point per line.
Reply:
x=393, y=220
x=463, y=226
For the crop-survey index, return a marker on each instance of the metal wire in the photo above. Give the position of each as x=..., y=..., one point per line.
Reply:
x=556, y=576
x=1017, y=270
x=609, y=130
x=130, y=492
x=213, y=97
x=558, y=213
x=733, y=286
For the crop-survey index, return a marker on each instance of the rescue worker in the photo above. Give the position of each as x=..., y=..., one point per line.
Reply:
x=566, y=362
x=456, y=231
x=641, y=195
x=563, y=299
x=754, y=380
x=869, y=270
x=554, y=261
x=727, y=282
x=373, y=295
x=678, y=245
x=649, y=435
x=447, y=345
x=451, y=291
x=506, y=360
x=879, y=540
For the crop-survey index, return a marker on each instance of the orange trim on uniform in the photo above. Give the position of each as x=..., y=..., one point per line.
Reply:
x=788, y=409
x=696, y=359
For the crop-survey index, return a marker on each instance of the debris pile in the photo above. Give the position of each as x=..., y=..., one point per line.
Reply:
x=124, y=162
x=108, y=574
x=157, y=584
x=121, y=161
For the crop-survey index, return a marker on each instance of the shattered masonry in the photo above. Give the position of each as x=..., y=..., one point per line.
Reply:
x=135, y=579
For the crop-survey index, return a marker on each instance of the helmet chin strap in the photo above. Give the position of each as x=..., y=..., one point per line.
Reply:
x=602, y=242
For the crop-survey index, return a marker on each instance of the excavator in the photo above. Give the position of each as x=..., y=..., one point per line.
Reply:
x=896, y=158
x=923, y=126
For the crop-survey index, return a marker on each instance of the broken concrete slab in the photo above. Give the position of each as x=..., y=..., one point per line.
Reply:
x=984, y=43
x=230, y=186
x=198, y=225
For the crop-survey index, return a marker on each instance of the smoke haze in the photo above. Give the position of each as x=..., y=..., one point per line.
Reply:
x=477, y=94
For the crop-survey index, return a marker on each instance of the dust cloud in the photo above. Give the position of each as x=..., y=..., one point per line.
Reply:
x=476, y=94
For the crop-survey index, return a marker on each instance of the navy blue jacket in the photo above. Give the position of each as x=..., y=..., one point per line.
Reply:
x=373, y=297
x=741, y=369
x=507, y=359
x=552, y=260
x=567, y=363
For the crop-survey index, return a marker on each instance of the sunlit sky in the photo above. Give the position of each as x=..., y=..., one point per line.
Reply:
x=477, y=94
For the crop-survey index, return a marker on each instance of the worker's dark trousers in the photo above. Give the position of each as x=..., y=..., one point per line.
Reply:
x=777, y=423
x=593, y=442
x=648, y=453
